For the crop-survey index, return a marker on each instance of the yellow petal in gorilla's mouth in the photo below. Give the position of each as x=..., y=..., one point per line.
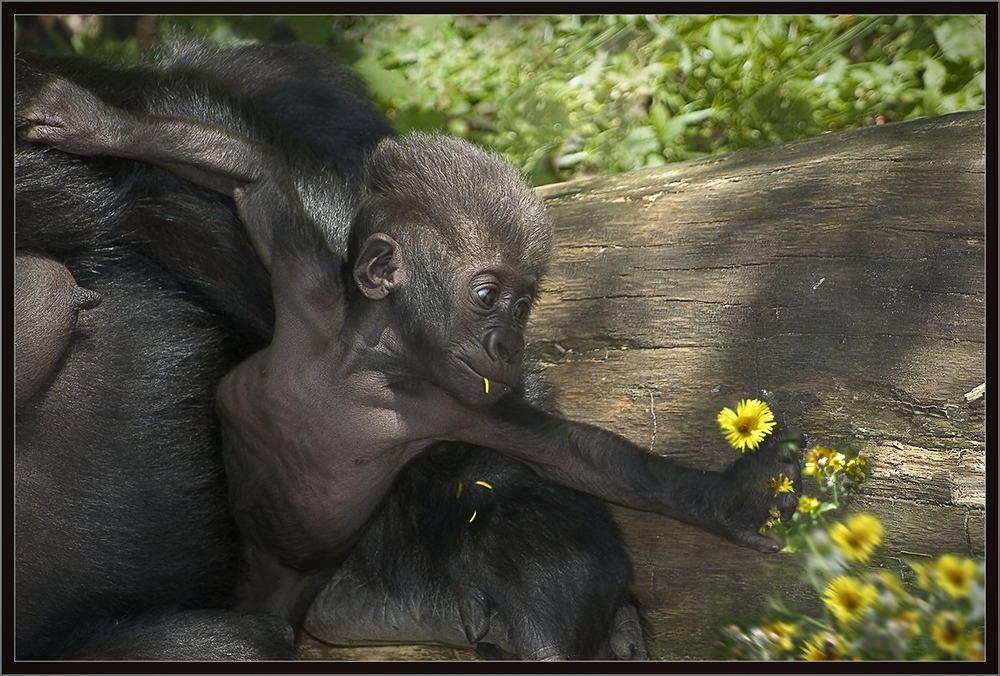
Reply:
x=486, y=382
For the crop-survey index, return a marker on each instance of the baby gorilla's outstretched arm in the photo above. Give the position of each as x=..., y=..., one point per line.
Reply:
x=734, y=502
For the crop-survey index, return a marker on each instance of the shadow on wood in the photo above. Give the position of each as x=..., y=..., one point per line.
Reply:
x=840, y=277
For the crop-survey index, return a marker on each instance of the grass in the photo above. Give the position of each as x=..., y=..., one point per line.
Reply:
x=570, y=96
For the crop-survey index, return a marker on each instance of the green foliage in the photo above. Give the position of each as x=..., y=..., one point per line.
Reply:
x=567, y=96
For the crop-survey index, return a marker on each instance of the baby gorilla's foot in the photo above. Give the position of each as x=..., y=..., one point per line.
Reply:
x=66, y=116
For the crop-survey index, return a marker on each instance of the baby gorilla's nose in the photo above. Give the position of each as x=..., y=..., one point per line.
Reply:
x=504, y=346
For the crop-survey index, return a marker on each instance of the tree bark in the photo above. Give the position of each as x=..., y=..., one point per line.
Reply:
x=842, y=278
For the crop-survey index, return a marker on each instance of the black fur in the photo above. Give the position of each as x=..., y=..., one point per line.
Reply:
x=446, y=547
x=179, y=635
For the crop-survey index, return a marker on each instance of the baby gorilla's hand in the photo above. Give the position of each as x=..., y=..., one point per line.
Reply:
x=69, y=117
x=746, y=497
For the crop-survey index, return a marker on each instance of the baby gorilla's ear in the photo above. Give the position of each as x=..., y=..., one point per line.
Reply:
x=379, y=268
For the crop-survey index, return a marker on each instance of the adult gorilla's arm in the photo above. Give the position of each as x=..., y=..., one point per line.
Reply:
x=73, y=119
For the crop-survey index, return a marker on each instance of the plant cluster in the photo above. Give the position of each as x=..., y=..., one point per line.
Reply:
x=867, y=613
x=569, y=95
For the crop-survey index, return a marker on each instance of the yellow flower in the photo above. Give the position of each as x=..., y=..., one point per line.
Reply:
x=748, y=426
x=974, y=648
x=885, y=579
x=781, y=484
x=855, y=467
x=925, y=575
x=809, y=505
x=822, y=459
x=823, y=646
x=947, y=631
x=780, y=633
x=907, y=622
x=954, y=575
x=848, y=599
x=859, y=537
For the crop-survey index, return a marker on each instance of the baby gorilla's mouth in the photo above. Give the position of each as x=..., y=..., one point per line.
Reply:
x=489, y=387
x=494, y=389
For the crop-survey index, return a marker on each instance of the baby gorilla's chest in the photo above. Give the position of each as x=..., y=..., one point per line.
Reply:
x=307, y=472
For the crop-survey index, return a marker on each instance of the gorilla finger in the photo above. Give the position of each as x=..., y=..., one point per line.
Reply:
x=85, y=299
x=787, y=504
x=791, y=442
x=39, y=131
x=754, y=540
x=627, y=641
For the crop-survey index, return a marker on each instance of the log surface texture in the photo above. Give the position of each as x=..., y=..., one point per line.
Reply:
x=842, y=278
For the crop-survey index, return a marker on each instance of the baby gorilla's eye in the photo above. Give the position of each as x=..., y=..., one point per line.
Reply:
x=488, y=295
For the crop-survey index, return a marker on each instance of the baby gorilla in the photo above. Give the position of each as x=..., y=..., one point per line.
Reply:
x=415, y=338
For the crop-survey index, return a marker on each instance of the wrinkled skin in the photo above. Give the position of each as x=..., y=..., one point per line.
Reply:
x=46, y=303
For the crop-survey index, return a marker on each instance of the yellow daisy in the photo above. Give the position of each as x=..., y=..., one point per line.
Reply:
x=848, y=599
x=822, y=459
x=748, y=425
x=855, y=467
x=780, y=634
x=947, y=631
x=823, y=646
x=781, y=484
x=888, y=580
x=974, y=648
x=859, y=537
x=954, y=575
x=926, y=574
x=808, y=504
x=907, y=622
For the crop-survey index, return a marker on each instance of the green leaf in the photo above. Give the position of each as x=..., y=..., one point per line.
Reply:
x=312, y=30
x=386, y=85
x=962, y=39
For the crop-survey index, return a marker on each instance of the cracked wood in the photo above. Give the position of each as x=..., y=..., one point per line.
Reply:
x=842, y=277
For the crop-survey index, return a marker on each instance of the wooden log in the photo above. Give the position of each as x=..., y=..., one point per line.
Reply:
x=842, y=278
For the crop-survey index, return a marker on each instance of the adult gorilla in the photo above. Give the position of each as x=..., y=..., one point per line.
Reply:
x=339, y=411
